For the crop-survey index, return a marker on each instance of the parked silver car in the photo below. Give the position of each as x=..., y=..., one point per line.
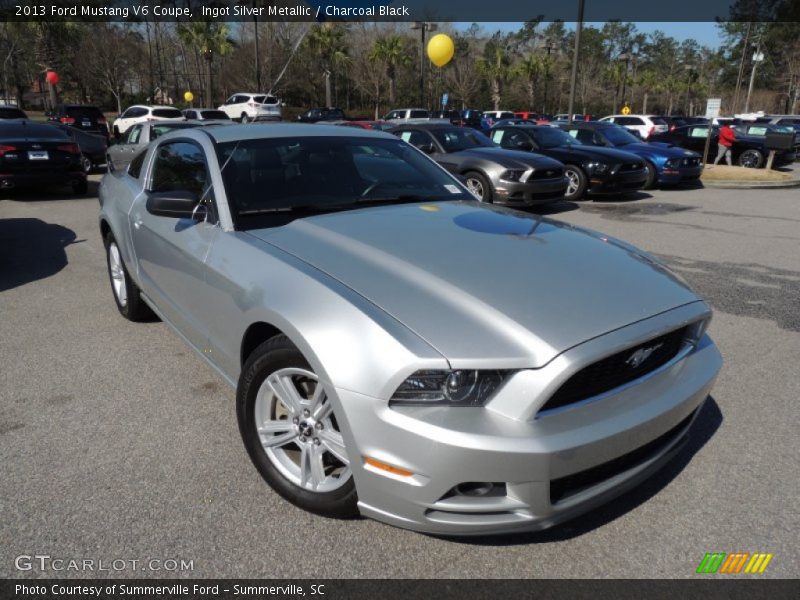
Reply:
x=398, y=349
x=124, y=148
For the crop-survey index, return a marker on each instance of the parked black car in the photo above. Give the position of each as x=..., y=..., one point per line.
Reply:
x=37, y=154
x=93, y=146
x=748, y=150
x=11, y=112
x=471, y=117
x=453, y=116
x=675, y=121
x=589, y=169
x=81, y=116
x=314, y=115
x=491, y=173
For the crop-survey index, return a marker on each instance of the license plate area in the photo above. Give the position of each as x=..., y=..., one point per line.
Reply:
x=38, y=155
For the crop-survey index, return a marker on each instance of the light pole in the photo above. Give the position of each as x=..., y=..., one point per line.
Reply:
x=208, y=55
x=549, y=46
x=574, y=76
x=423, y=26
x=758, y=56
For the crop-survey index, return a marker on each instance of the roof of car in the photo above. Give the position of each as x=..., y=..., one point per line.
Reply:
x=254, y=131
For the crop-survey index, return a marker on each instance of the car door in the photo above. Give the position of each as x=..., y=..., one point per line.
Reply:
x=171, y=252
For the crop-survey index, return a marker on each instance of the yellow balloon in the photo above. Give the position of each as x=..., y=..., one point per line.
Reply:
x=188, y=96
x=441, y=49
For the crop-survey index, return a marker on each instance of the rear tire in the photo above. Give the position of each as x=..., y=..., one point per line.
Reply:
x=479, y=186
x=244, y=118
x=288, y=429
x=127, y=295
x=751, y=159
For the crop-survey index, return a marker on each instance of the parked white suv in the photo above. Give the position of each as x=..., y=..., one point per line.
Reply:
x=644, y=125
x=497, y=115
x=246, y=107
x=404, y=114
x=139, y=113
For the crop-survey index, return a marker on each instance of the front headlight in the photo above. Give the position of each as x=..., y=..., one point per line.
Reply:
x=512, y=175
x=673, y=163
x=449, y=388
x=598, y=168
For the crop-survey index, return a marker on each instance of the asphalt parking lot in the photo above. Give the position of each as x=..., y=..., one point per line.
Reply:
x=116, y=442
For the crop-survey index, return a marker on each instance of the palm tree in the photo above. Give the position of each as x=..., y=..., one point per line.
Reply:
x=327, y=42
x=649, y=81
x=615, y=73
x=497, y=70
x=209, y=39
x=529, y=69
x=392, y=53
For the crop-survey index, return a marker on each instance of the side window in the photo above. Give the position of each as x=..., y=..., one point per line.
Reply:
x=134, y=134
x=416, y=138
x=126, y=114
x=135, y=167
x=132, y=113
x=190, y=114
x=585, y=136
x=179, y=166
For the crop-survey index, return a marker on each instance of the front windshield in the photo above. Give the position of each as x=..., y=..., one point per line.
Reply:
x=459, y=138
x=619, y=136
x=267, y=176
x=551, y=137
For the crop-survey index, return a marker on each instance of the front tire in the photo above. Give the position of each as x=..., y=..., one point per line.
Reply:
x=650, y=182
x=126, y=293
x=290, y=431
x=479, y=186
x=244, y=118
x=577, y=185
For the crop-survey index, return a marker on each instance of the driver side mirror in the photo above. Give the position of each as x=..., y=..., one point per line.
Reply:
x=176, y=204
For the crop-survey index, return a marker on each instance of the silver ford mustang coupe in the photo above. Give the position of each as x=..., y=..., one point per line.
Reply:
x=400, y=350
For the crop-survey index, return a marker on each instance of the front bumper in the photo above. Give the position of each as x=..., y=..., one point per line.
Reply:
x=667, y=175
x=545, y=470
x=618, y=181
x=531, y=192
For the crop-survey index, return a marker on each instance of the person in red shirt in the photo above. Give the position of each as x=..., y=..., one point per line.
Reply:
x=725, y=145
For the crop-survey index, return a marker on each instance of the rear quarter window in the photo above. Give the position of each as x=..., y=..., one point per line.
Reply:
x=167, y=113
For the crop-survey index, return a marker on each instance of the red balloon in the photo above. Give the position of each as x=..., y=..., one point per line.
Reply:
x=52, y=77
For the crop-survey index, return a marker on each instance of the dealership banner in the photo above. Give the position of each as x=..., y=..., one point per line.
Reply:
x=396, y=589
x=399, y=10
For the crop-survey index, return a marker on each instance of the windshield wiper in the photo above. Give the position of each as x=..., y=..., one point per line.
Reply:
x=356, y=203
x=401, y=199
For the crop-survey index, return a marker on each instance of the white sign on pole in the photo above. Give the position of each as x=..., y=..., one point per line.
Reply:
x=712, y=107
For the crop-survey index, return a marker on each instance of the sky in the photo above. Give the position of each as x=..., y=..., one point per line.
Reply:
x=705, y=33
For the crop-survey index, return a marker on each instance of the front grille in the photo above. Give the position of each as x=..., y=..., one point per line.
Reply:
x=546, y=174
x=631, y=167
x=564, y=487
x=690, y=162
x=617, y=369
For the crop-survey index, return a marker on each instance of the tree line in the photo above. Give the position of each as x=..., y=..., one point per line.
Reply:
x=368, y=68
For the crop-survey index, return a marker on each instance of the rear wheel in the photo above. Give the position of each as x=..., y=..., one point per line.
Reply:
x=244, y=118
x=291, y=433
x=478, y=185
x=86, y=164
x=752, y=159
x=576, y=187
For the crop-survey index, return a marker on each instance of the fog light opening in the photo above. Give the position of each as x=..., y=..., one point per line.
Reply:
x=474, y=489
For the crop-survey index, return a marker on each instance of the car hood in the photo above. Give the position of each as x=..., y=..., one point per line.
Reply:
x=511, y=159
x=611, y=155
x=485, y=286
x=657, y=149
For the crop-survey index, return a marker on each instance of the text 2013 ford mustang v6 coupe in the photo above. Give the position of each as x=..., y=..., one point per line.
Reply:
x=399, y=349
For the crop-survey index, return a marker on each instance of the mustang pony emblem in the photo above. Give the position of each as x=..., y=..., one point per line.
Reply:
x=641, y=355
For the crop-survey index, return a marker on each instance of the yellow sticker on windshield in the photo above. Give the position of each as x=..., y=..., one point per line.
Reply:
x=429, y=208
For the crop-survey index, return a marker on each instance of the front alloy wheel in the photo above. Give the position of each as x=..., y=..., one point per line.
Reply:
x=290, y=430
